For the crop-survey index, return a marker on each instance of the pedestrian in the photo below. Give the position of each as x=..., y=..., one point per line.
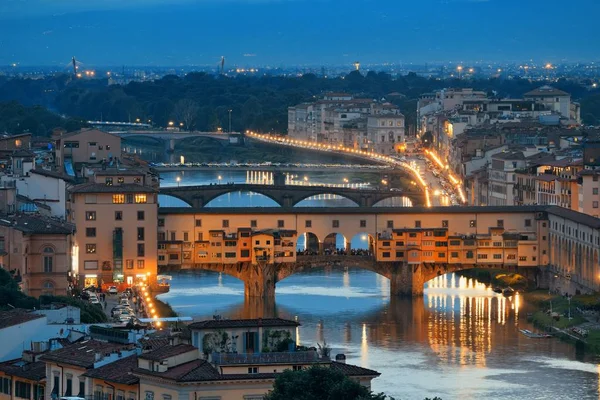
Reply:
x=105, y=305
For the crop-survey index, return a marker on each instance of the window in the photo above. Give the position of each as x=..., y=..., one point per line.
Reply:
x=482, y=256
x=141, y=250
x=472, y=223
x=527, y=222
x=253, y=223
x=120, y=395
x=400, y=254
x=129, y=264
x=441, y=255
x=280, y=223
x=225, y=223
x=445, y=223
x=109, y=181
x=140, y=264
x=469, y=254
x=417, y=224
x=137, y=179
x=90, y=215
x=108, y=147
x=121, y=179
x=173, y=256
x=500, y=223
x=390, y=224
x=118, y=215
x=595, y=191
x=308, y=223
x=497, y=256
x=244, y=253
x=268, y=242
x=455, y=243
x=69, y=389
x=363, y=223
x=118, y=199
x=166, y=397
x=386, y=244
x=149, y=395
x=91, y=144
x=399, y=243
x=161, y=222
x=186, y=236
x=6, y=386
x=335, y=223
x=90, y=232
x=90, y=248
x=90, y=199
x=522, y=258
x=129, y=198
x=140, y=233
x=198, y=223
x=141, y=215
x=454, y=254
x=230, y=254
x=23, y=390
x=38, y=392
x=90, y=264
x=140, y=198
x=497, y=244
x=595, y=204
x=253, y=370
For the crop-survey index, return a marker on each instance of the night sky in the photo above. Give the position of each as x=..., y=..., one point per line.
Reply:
x=296, y=32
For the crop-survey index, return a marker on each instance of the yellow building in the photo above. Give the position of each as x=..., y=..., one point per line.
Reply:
x=114, y=381
x=23, y=378
x=89, y=146
x=116, y=236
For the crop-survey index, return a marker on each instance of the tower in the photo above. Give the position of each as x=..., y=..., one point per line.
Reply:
x=357, y=65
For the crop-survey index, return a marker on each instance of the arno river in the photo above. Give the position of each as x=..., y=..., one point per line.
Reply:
x=460, y=341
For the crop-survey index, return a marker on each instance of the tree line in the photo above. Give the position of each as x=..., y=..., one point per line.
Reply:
x=202, y=101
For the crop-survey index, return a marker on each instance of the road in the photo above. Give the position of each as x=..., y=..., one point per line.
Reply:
x=437, y=196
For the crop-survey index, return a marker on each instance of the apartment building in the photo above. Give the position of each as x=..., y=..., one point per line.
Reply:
x=37, y=251
x=115, y=214
x=87, y=146
x=386, y=132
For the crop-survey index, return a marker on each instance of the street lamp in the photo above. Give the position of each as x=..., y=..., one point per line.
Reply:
x=178, y=179
x=459, y=68
x=171, y=123
x=219, y=178
x=229, y=120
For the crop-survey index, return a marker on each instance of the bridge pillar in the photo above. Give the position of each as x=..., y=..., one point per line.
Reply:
x=287, y=201
x=170, y=145
x=406, y=280
x=259, y=281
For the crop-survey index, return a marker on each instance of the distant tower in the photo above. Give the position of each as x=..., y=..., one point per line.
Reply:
x=74, y=65
x=357, y=65
x=222, y=64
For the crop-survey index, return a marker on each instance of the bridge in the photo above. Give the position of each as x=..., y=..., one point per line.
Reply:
x=287, y=195
x=170, y=137
x=342, y=168
x=407, y=245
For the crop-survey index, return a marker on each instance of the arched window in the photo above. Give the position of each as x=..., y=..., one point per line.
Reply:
x=48, y=259
x=48, y=288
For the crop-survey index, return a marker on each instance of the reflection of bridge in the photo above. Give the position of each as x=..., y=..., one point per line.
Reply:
x=286, y=195
x=346, y=169
x=170, y=137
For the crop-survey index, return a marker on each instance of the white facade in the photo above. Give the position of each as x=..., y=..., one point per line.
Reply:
x=385, y=132
x=45, y=189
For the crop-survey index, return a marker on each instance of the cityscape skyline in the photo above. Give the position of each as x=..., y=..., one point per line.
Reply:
x=307, y=32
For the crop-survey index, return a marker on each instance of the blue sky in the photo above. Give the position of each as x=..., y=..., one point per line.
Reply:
x=294, y=32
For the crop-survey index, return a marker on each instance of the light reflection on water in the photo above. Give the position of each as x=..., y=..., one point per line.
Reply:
x=460, y=340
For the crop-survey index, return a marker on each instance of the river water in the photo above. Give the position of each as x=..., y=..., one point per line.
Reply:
x=459, y=341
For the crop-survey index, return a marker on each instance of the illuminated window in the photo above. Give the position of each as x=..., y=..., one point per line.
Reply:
x=118, y=198
x=120, y=179
x=90, y=215
x=140, y=198
x=90, y=248
x=18, y=143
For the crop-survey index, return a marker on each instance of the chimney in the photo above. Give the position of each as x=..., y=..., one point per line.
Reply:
x=98, y=356
x=341, y=358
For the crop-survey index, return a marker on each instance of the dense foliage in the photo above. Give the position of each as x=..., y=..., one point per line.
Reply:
x=16, y=118
x=202, y=101
x=12, y=297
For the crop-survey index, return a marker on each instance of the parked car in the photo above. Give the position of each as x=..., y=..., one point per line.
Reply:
x=94, y=300
x=124, y=302
x=113, y=290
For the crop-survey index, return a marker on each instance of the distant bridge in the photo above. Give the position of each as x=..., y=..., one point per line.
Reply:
x=170, y=137
x=343, y=168
x=287, y=195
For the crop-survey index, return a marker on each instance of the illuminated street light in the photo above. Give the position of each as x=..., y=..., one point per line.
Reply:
x=171, y=123
x=178, y=179
x=219, y=178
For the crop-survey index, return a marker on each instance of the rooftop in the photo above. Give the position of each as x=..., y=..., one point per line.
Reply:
x=52, y=174
x=297, y=357
x=118, y=171
x=83, y=354
x=168, y=351
x=34, y=371
x=16, y=317
x=36, y=224
x=193, y=371
x=69, y=135
x=117, y=372
x=103, y=188
x=242, y=323
x=546, y=91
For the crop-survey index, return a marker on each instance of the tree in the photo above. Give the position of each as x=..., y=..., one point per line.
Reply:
x=318, y=383
x=186, y=111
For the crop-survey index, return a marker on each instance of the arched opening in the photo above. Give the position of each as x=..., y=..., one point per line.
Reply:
x=396, y=201
x=165, y=200
x=242, y=199
x=326, y=200
x=307, y=244
x=48, y=259
x=362, y=244
x=335, y=243
x=48, y=288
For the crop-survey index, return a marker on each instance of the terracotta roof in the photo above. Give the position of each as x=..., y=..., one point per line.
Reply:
x=83, y=354
x=580, y=218
x=242, y=323
x=35, y=371
x=75, y=133
x=546, y=91
x=117, y=372
x=23, y=153
x=168, y=351
x=119, y=172
x=353, y=370
x=16, y=317
x=193, y=371
x=103, y=188
x=52, y=174
x=36, y=224
x=153, y=343
x=274, y=358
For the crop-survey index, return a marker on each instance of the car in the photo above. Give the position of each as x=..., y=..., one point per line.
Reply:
x=124, y=302
x=92, y=289
x=113, y=290
x=94, y=300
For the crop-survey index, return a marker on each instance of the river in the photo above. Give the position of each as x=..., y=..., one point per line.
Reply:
x=459, y=341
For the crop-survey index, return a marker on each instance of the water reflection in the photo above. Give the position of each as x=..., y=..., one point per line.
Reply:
x=460, y=340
